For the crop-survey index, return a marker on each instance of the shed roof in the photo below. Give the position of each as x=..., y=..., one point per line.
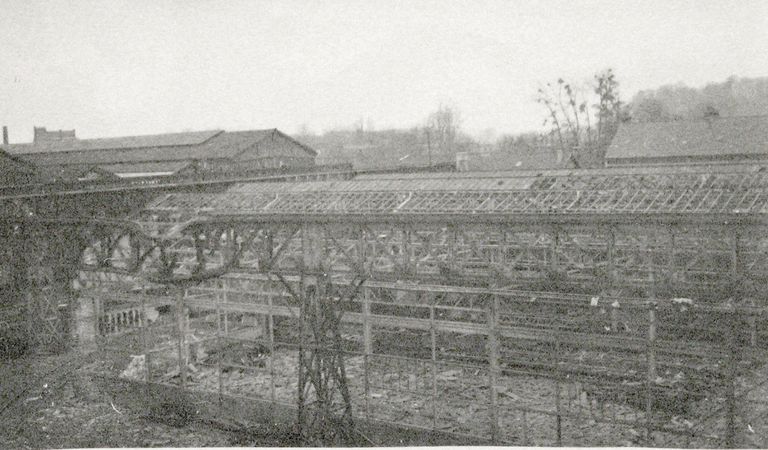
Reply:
x=711, y=138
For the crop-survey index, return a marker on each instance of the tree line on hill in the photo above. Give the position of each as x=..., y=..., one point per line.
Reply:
x=733, y=97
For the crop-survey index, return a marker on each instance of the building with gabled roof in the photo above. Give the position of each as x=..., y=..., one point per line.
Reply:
x=61, y=155
x=706, y=141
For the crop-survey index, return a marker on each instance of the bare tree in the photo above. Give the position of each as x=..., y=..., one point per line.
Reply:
x=570, y=119
x=609, y=107
x=442, y=129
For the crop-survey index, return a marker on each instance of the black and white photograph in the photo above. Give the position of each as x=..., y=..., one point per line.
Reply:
x=383, y=223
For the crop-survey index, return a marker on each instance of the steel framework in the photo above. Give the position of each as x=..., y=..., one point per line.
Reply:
x=661, y=272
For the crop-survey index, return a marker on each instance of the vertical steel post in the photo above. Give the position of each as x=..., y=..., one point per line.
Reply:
x=493, y=359
x=554, y=268
x=732, y=346
x=651, y=370
x=367, y=350
x=558, y=407
x=452, y=242
x=144, y=344
x=433, y=343
x=225, y=299
x=271, y=337
x=611, y=257
x=302, y=357
x=651, y=352
x=405, y=247
x=610, y=278
x=553, y=259
x=306, y=255
x=220, y=377
x=98, y=308
x=142, y=329
x=199, y=253
x=730, y=393
x=671, y=263
x=752, y=324
x=525, y=427
x=181, y=337
x=367, y=340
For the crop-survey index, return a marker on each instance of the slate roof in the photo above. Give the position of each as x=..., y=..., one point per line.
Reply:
x=153, y=148
x=712, y=138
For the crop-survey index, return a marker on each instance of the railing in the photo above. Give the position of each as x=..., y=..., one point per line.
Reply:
x=120, y=321
x=461, y=368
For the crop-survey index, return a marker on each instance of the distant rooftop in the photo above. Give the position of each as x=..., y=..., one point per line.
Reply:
x=516, y=158
x=705, y=139
x=65, y=141
x=63, y=147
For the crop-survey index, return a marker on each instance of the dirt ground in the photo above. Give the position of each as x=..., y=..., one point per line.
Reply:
x=46, y=402
x=51, y=402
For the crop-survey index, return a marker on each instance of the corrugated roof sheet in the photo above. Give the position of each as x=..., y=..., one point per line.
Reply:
x=716, y=137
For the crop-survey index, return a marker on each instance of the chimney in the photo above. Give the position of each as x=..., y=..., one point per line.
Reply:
x=5, y=135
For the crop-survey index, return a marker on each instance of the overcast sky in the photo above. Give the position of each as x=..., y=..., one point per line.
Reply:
x=111, y=68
